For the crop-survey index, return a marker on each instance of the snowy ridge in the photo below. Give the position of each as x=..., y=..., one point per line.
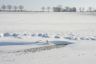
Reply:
x=46, y=36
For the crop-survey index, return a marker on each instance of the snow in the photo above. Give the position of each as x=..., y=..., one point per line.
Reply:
x=46, y=22
x=79, y=29
x=82, y=52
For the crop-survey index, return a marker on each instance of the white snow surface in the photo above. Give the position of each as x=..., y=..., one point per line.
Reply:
x=81, y=26
x=46, y=22
x=82, y=52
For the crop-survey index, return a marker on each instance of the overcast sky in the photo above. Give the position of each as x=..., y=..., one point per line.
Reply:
x=37, y=4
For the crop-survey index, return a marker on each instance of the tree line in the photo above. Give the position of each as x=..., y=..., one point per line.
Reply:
x=67, y=9
x=20, y=8
x=59, y=9
x=10, y=8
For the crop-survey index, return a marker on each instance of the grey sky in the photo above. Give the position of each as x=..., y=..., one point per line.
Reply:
x=37, y=4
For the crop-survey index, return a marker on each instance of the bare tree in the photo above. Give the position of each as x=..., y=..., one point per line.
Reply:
x=74, y=9
x=67, y=8
x=83, y=9
x=21, y=7
x=90, y=9
x=48, y=8
x=15, y=8
x=80, y=9
x=43, y=9
x=9, y=7
x=3, y=7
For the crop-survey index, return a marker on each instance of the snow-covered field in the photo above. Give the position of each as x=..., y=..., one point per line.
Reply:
x=36, y=30
x=83, y=52
x=46, y=22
